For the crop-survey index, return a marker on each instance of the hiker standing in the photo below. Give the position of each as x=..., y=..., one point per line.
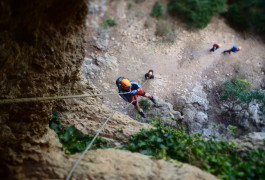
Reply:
x=149, y=75
x=233, y=49
x=215, y=47
x=132, y=90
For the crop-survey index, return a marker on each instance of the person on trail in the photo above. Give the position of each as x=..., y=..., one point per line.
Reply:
x=131, y=90
x=215, y=47
x=149, y=75
x=233, y=49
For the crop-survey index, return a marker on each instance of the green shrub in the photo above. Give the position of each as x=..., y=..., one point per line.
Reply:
x=73, y=140
x=109, y=22
x=196, y=13
x=129, y=5
x=156, y=10
x=235, y=89
x=238, y=91
x=217, y=157
x=232, y=129
x=247, y=15
x=144, y=104
x=147, y=24
x=165, y=30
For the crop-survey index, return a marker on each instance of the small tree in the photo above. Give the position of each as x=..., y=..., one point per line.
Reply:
x=144, y=104
x=196, y=13
x=109, y=22
x=156, y=10
x=247, y=15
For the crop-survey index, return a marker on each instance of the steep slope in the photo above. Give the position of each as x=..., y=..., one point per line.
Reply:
x=41, y=52
x=187, y=74
x=42, y=47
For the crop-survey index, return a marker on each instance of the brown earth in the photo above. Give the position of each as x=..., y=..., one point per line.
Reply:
x=180, y=65
x=42, y=47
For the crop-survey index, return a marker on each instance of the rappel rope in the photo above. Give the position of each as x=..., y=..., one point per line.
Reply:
x=20, y=100
x=91, y=143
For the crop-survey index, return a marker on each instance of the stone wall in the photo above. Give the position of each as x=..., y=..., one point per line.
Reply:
x=41, y=50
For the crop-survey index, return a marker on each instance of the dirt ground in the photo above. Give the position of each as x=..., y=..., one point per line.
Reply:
x=178, y=66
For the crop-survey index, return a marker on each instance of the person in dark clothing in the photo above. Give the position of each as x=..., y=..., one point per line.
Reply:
x=149, y=75
x=132, y=90
x=233, y=49
x=215, y=47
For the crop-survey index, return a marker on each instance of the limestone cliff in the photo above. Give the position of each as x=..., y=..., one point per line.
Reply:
x=41, y=51
x=40, y=54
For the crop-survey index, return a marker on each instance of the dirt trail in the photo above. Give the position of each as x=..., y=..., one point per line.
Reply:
x=178, y=66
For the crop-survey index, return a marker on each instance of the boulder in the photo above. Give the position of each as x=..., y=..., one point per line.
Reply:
x=117, y=164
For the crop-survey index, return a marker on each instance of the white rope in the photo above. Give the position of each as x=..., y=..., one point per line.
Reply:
x=88, y=147
x=91, y=143
x=33, y=99
x=20, y=100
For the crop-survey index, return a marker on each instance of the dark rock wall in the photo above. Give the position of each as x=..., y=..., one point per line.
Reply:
x=41, y=50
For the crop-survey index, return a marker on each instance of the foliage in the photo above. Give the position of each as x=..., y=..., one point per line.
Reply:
x=147, y=24
x=215, y=126
x=235, y=89
x=119, y=129
x=232, y=129
x=109, y=22
x=217, y=157
x=144, y=104
x=156, y=10
x=239, y=90
x=196, y=13
x=247, y=14
x=164, y=29
x=73, y=140
x=129, y=5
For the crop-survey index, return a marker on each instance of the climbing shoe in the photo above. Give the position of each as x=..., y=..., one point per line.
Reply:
x=153, y=99
x=142, y=114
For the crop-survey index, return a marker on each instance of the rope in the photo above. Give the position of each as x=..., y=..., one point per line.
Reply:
x=91, y=143
x=88, y=147
x=20, y=100
x=33, y=99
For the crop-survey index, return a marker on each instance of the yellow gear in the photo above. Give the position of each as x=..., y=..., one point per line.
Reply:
x=220, y=45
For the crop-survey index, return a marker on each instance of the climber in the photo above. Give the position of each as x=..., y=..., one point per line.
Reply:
x=233, y=49
x=149, y=75
x=215, y=47
x=134, y=89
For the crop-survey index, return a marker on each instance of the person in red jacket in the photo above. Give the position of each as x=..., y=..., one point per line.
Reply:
x=215, y=47
x=131, y=90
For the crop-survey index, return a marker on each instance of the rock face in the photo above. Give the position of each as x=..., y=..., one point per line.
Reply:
x=195, y=109
x=88, y=115
x=41, y=52
x=251, y=140
x=166, y=112
x=116, y=164
x=248, y=117
x=42, y=47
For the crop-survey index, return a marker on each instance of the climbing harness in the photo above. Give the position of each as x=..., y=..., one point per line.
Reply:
x=91, y=143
